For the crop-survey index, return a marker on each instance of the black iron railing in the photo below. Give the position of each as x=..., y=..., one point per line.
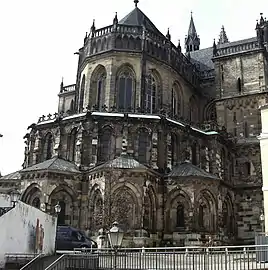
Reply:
x=4, y=210
x=195, y=258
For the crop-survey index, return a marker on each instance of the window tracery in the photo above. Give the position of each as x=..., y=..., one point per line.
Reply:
x=105, y=147
x=151, y=94
x=125, y=90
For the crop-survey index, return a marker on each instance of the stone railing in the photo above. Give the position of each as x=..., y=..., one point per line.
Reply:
x=237, y=48
x=131, y=38
x=45, y=118
x=68, y=88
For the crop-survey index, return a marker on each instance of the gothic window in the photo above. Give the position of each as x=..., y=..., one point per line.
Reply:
x=82, y=93
x=72, y=145
x=36, y=202
x=48, y=146
x=125, y=90
x=193, y=110
x=222, y=73
x=151, y=94
x=176, y=100
x=180, y=216
x=246, y=135
x=222, y=164
x=174, y=149
x=247, y=169
x=194, y=154
x=61, y=215
x=100, y=89
x=201, y=211
x=143, y=142
x=71, y=106
x=239, y=85
x=105, y=141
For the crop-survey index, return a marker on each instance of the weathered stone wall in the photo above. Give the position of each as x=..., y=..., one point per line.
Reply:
x=18, y=231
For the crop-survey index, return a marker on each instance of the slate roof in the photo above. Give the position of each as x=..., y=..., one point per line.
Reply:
x=137, y=18
x=202, y=59
x=186, y=168
x=11, y=176
x=54, y=164
x=124, y=161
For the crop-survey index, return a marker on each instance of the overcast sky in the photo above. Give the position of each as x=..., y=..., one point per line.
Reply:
x=39, y=38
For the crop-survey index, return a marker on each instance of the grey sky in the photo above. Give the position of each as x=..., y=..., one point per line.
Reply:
x=38, y=39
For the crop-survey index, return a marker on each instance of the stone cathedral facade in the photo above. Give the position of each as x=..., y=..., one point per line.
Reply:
x=162, y=141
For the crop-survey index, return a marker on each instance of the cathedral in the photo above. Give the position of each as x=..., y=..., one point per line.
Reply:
x=160, y=139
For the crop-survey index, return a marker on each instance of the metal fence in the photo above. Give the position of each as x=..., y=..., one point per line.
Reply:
x=195, y=258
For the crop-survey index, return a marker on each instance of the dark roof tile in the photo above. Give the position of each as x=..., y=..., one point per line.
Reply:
x=186, y=168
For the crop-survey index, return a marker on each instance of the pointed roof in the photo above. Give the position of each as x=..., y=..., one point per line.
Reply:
x=192, y=30
x=137, y=18
x=54, y=164
x=11, y=176
x=186, y=168
x=124, y=161
x=223, y=36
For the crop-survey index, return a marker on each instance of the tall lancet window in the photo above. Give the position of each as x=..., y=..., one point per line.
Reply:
x=48, y=146
x=151, y=92
x=100, y=89
x=125, y=90
x=72, y=144
x=82, y=93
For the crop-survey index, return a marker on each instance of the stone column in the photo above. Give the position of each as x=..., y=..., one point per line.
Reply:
x=57, y=142
x=168, y=151
x=154, y=153
x=264, y=160
x=78, y=148
x=94, y=146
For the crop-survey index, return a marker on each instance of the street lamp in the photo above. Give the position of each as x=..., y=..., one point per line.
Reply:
x=14, y=196
x=57, y=208
x=115, y=235
x=262, y=218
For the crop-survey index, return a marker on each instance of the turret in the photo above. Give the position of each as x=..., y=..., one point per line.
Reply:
x=192, y=41
x=223, y=36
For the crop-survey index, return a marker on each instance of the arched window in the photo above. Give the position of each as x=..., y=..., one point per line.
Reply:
x=193, y=110
x=176, y=100
x=72, y=144
x=194, y=154
x=151, y=94
x=201, y=216
x=61, y=215
x=143, y=142
x=82, y=93
x=105, y=140
x=48, y=146
x=246, y=135
x=36, y=202
x=100, y=89
x=180, y=216
x=174, y=148
x=125, y=90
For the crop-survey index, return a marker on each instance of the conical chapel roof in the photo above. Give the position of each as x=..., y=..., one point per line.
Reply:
x=137, y=18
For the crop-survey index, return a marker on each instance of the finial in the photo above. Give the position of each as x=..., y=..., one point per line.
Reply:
x=115, y=19
x=191, y=13
x=136, y=3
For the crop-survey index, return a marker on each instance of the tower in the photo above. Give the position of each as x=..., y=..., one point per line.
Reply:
x=192, y=40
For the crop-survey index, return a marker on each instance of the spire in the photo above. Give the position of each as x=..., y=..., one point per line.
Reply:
x=223, y=37
x=214, y=48
x=168, y=36
x=192, y=41
x=136, y=3
x=179, y=46
x=192, y=29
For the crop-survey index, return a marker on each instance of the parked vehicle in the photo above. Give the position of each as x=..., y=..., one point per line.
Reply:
x=68, y=238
